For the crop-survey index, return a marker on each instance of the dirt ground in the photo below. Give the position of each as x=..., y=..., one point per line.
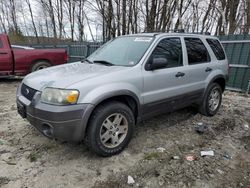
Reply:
x=28, y=159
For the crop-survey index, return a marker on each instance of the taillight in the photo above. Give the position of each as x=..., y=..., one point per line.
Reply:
x=66, y=57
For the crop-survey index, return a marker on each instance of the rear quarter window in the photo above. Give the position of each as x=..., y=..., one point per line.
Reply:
x=217, y=48
x=1, y=43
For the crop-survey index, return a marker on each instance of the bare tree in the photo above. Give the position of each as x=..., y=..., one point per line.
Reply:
x=70, y=7
x=32, y=20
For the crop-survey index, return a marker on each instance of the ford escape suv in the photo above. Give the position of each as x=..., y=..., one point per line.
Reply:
x=127, y=80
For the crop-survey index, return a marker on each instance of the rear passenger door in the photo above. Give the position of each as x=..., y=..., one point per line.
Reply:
x=199, y=63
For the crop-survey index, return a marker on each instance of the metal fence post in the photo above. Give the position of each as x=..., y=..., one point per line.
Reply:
x=248, y=87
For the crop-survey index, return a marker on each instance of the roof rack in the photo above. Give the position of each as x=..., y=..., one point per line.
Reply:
x=202, y=33
x=179, y=30
x=183, y=31
x=176, y=30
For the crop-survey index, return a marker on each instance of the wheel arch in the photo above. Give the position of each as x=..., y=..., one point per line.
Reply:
x=221, y=80
x=39, y=60
x=126, y=97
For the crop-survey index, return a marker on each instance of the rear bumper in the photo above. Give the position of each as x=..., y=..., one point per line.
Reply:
x=61, y=122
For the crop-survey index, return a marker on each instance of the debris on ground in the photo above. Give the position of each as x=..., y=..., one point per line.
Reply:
x=201, y=128
x=130, y=180
x=207, y=153
x=246, y=127
x=191, y=157
x=161, y=149
x=176, y=157
x=227, y=156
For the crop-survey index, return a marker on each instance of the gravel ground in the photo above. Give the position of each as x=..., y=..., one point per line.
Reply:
x=28, y=159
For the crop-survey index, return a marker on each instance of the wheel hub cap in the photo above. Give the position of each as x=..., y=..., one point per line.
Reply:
x=214, y=99
x=114, y=130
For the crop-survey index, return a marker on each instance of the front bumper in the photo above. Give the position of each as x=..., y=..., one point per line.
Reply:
x=61, y=122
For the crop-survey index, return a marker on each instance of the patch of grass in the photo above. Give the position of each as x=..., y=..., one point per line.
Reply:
x=33, y=157
x=153, y=155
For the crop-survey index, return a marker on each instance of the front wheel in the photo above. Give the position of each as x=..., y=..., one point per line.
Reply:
x=40, y=65
x=110, y=128
x=212, y=100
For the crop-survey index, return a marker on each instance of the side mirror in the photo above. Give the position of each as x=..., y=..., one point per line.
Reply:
x=157, y=63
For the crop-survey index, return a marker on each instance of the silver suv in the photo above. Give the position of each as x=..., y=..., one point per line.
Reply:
x=127, y=80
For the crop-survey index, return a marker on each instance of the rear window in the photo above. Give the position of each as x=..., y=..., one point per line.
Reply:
x=217, y=48
x=196, y=50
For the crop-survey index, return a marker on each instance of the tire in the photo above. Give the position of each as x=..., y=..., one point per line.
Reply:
x=103, y=136
x=40, y=65
x=211, y=106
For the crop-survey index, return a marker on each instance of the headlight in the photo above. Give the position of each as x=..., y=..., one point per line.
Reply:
x=59, y=96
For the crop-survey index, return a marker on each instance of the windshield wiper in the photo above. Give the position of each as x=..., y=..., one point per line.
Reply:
x=104, y=62
x=83, y=60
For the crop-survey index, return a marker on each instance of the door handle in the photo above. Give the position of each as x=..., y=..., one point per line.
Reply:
x=3, y=53
x=208, y=69
x=180, y=74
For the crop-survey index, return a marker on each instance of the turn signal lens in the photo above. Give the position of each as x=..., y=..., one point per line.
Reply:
x=72, y=97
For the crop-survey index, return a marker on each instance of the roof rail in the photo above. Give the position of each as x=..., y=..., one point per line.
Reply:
x=176, y=30
x=202, y=33
x=179, y=30
x=183, y=31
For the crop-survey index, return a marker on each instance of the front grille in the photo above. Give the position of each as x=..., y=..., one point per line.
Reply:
x=28, y=92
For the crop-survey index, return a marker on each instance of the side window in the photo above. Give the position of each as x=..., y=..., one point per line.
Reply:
x=170, y=49
x=217, y=48
x=196, y=51
x=1, y=44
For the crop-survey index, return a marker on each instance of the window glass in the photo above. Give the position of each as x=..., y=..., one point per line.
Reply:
x=217, y=48
x=1, y=44
x=170, y=49
x=196, y=50
x=123, y=51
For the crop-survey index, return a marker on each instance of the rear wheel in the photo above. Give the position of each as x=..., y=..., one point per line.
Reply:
x=212, y=100
x=110, y=128
x=40, y=65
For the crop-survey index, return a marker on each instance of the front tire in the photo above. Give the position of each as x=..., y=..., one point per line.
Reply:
x=212, y=100
x=110, y=128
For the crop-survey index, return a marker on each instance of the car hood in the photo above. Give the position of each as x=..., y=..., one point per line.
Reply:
x=63, y=76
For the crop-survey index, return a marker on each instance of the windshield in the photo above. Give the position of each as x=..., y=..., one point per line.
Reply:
x=122, y=51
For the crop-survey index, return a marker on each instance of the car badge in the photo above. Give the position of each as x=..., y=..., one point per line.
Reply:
x=27, y=91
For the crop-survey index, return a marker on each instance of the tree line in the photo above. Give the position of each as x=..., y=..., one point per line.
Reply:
x=101, y=20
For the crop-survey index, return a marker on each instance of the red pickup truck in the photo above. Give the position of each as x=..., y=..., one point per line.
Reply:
x=19, y=62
